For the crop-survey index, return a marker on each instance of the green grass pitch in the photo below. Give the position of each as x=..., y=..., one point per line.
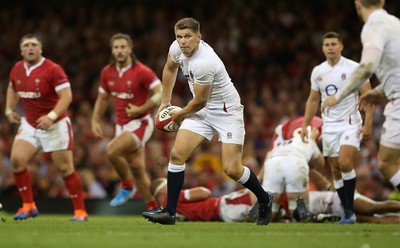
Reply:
x=101, y=231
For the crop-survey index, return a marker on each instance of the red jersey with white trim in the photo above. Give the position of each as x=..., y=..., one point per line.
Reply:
x=131, y=84
x=204, y=210
x=292, y=127
x=37, y=87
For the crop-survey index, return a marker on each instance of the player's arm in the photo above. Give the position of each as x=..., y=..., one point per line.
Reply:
x=369, y=114
x=197, y=194
x=319, y=180
x=201, y=94
x=154, y=101
x=12, y=99
x=169, y=74
x=99, y=108
x=65, y=99
x=312, y=105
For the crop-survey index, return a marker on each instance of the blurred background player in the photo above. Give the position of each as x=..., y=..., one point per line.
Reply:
x=45, y=93
x=343, y=124
x=215, y=107
x=136, y=90
x=380, y=38
x=286, y=169
x=328, y=203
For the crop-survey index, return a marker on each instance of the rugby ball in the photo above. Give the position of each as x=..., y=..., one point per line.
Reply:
x=164, y=120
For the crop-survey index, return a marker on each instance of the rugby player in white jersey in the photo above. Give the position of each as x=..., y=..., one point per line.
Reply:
x=380, y=38
x=343, y=125
x=325, y=204
x=286, y=169
x=215, y=108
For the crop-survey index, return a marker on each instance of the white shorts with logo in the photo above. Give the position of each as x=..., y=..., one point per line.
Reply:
x=229, y=125
x=285, y=174
x=234, y=207
x=57, y=138
x=141, y=129
x=337, y=134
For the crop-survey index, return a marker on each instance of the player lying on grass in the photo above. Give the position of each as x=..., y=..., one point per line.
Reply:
x=196, y=204
x=366, y=209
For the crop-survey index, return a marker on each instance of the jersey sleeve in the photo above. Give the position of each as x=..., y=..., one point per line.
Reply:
x=11, y=77
x=313, y=80
x=373, y=37
x=175, y=52
x=149, y=78
x=182, y=198
x=316, y=152
x=103, y=86
x=60, y=79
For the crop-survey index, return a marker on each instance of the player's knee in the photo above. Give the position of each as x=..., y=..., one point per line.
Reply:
x=65, y=169
x=345, y=164
x=111, y=151
x=18, y=163
x=233, y=172
x=177, y=157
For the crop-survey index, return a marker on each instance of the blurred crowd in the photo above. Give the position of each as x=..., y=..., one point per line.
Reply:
x=268, y=47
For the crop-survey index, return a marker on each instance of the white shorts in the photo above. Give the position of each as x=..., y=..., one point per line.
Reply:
x=285, y=174
x=390, y=135
x=57, y=138
x=141, y=129
x=229, y=125
x=234, y=207
x=335, y=135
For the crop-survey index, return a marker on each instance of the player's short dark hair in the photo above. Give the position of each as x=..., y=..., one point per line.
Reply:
x=29, y=36
x=370, y=3
x=121, y=36
x=331, y=35
x=188, y=23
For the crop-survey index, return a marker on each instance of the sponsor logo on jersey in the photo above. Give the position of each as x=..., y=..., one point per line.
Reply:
x=344, y=76
x=25, y=94
x=122, y=95
x=229, y=135
x=319, y=78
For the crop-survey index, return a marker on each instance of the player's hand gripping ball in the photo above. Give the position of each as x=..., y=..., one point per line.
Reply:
x=164, y=120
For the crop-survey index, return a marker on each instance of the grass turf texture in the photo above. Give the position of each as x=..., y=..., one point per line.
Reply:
x=133, y=231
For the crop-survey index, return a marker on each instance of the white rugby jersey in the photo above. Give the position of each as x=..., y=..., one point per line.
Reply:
x=382, y=31
x=325, y=202
x=328, y=80
x=296, y=147
x=205, y=67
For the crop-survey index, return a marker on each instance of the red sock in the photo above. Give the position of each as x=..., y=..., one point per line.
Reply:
x=151, y=205
x=128, y=185
x=73, y=184
x=23, y=182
